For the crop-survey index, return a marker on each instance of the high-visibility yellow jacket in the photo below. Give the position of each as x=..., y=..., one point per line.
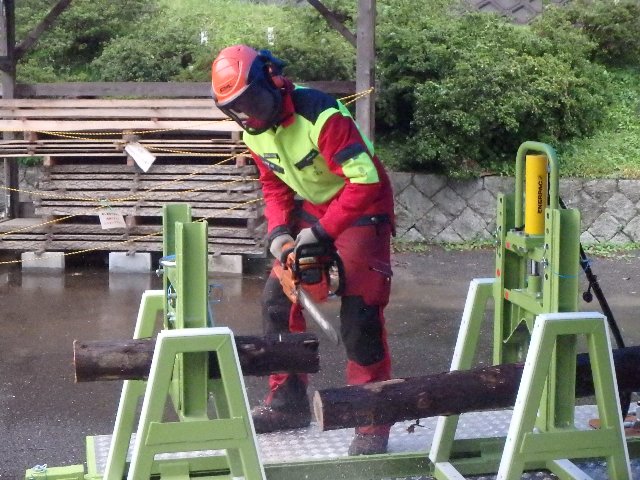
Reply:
x=318, y=153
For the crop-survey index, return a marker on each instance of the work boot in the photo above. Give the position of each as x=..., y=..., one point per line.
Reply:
x=368, y=444
x=286, y=405
x=269, y=419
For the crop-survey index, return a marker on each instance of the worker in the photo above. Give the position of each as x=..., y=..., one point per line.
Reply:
x=322, y=183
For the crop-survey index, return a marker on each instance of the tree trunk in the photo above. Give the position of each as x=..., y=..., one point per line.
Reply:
x=131, y=359
x=450, y=393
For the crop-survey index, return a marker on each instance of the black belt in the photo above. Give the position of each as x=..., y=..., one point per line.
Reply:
x=365, y=220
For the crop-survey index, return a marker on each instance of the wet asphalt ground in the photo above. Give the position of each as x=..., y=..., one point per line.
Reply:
x=45, y=416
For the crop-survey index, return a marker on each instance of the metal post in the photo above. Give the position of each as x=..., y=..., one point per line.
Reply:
x=365, y=66
x=480, y=290
x=8, y=77
x=524, y=444
x=180, y=371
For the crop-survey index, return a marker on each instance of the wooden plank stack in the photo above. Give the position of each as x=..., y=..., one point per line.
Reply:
x=200, y=160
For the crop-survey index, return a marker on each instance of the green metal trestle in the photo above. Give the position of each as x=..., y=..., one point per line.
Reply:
x=180, y=372
x=535, y=296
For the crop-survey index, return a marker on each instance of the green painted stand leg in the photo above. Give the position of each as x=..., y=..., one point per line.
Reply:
x=75, y=472
x=234, y=433
x=150, y=305
x=216, y=387
x=556, y=446
x=480, y=290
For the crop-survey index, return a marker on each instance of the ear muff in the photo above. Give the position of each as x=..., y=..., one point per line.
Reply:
x=276, y=80
x=274, y=68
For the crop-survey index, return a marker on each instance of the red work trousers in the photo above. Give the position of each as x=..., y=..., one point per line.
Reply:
x=365, y=252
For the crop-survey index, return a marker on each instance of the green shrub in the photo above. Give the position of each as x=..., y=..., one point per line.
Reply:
x=77, y=37
x=460, y=93
x=613, y=25
x=32, y=161
x=170, y=48
x=158, y=51
x=614, y=150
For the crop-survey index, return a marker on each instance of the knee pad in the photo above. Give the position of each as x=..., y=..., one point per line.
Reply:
x=361, y=331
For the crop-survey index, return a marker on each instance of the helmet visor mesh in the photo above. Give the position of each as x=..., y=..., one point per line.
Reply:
x=257, y=108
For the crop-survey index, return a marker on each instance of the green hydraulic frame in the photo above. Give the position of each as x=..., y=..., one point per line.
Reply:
x=535, y=296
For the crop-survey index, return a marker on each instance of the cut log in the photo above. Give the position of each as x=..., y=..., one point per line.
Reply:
x=450, y=393
x=131, y=359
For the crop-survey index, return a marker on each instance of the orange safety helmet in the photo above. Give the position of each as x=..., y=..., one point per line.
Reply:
x=246, y=86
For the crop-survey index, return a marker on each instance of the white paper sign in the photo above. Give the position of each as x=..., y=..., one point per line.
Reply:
x=143, y=157
x=111, y=220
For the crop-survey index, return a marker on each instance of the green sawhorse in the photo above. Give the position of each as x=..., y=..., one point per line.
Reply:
x=525, y=447
x=220, y=431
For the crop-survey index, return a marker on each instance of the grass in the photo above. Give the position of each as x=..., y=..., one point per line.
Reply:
x=610, y=250
x=469, y=245
x=399, y=246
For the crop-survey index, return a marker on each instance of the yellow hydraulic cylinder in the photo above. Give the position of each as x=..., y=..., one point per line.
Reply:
x=536, y=188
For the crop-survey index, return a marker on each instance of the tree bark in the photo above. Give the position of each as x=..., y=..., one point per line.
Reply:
x=450, y=393
x=131, y=359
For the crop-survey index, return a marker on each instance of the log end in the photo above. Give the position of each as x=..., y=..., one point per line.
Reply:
x=317, y=410
x=75, y=370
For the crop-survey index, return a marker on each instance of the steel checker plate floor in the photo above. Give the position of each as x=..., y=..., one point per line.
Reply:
x=312, y=444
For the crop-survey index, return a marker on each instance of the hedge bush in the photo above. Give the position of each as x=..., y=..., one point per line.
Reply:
x=614, y=150
x=170, y=47
x=460, y=93
x=158, y=51
x=613, y=25
x=78, y=36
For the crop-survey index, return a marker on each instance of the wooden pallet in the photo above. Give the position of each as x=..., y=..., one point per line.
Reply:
x=51, y=113
x=84, y=233
x=228, y=196
x=200, y=160
x=104, y=127
x=105, y=147
x=217, y=191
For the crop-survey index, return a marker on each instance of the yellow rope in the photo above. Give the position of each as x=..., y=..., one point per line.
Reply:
x=356, y=96
x=63, y=134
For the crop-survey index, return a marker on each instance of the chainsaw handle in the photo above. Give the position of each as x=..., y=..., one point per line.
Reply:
x=284, y=256
x=313, y=250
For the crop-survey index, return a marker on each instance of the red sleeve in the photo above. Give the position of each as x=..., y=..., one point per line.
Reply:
x=278, y=197
x=338, y=137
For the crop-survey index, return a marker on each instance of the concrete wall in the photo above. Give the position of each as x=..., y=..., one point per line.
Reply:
x=28, y=177
x=436, y=209
x=521, y=11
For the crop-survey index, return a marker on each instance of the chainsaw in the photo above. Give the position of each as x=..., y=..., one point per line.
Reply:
x=309, y=276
